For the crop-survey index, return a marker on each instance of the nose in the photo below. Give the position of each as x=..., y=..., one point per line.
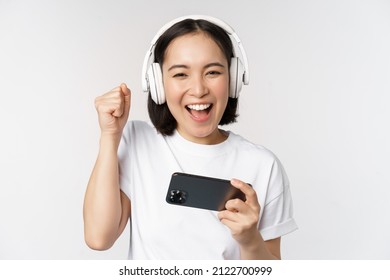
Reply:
x=198, y=87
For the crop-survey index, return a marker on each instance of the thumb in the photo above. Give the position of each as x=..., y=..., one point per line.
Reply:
x=125, y=89
x=127, y=96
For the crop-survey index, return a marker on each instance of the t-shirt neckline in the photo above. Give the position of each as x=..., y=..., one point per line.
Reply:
x=204, y=150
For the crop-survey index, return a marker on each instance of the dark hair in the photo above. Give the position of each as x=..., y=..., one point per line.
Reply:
x=160, y=115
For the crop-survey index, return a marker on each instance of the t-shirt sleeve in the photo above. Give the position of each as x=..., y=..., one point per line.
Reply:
x=277, y=213
x=124, y=152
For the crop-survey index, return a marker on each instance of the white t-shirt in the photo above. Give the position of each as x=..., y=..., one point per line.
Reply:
x=159, y=230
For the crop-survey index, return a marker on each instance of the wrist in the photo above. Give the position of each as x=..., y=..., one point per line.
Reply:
x=256, y=249
x=110, y=140
x=253, y=243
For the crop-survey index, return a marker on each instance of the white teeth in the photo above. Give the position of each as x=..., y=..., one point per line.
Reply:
x=199, y=107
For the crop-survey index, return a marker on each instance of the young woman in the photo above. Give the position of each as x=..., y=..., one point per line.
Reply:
x=193, y=86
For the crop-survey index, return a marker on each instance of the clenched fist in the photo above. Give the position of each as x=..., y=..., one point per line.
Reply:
x=113, y=110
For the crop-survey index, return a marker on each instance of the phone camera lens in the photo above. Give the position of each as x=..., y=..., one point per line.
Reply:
x=177, y=196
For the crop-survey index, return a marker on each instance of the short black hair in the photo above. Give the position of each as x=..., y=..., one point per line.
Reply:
x=160, y=115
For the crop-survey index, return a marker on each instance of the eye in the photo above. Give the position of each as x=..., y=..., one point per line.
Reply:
x=213, y=73
x=180, y=75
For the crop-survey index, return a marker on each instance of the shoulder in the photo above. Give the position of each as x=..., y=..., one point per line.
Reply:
x=138, y=129
x=138, y=139
x=137, y=125
x=258, y=157
x=260, y=166
x=251, y=149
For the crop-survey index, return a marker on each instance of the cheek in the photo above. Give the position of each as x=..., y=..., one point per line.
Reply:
x=173, y=102
x=173, y=98
x=221, y=89
x=172, y=90
x=222, y=94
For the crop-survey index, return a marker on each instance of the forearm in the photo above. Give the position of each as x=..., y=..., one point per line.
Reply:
x=256, y=249
x=102, y=204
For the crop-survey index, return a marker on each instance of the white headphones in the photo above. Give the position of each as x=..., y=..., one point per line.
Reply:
x=151, y=71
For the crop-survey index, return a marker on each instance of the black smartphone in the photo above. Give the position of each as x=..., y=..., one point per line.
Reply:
x=201, y=192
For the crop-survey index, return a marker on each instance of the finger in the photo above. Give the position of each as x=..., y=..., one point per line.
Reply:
x=108, y=103
x=235, y=205
x=119, y=97
x=243, y=221
x=115, y=89
x=228, y=215
x=230, y=224
x=235, y=227
x=108, y=108
x=110, y=96
x=250, y=193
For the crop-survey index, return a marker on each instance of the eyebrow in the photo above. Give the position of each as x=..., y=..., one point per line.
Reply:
x=187, y=67
x=178, y=66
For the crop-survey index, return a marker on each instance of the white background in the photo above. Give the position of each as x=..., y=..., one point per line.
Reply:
x=318, y=98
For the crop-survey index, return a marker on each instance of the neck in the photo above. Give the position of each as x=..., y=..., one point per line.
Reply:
x=217, y=137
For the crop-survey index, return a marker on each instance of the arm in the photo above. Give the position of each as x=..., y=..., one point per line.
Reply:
x=261, y=250
x=106, y=207
x=242, y=219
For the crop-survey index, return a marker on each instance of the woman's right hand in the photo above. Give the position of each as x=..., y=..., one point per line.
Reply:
x=113, y=110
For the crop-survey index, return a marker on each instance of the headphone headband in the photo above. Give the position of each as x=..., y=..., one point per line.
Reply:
x=149, y=57
x=216, y=21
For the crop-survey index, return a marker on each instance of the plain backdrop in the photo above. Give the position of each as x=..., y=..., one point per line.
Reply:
x=318, y=98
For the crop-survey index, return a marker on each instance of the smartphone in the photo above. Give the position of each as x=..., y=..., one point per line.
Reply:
x=201, y=192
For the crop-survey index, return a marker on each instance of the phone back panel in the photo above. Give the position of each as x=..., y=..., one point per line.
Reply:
x=201, y=192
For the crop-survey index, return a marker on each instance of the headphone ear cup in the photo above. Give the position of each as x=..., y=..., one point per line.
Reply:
x=156, y=86
x=236, y=77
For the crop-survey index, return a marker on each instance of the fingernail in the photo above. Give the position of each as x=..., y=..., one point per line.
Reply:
x=234, y=181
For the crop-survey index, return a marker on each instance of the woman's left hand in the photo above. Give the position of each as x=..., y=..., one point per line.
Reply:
x=242, y=217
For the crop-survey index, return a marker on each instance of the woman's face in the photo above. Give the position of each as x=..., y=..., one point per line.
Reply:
x=196, y=84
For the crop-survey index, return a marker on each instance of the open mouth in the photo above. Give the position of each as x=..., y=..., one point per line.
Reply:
x=199, y=112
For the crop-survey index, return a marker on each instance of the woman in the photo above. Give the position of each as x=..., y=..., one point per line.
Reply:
x=191, y=92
